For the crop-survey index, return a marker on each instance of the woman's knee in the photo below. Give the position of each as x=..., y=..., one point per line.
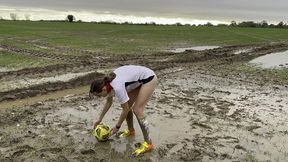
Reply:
x=130, y=103
x=138, y=113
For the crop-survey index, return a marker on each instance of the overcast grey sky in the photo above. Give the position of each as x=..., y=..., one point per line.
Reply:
x=223, y=10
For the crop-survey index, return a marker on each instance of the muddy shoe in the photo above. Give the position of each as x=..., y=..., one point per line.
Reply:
x=145, y=147
x=127, y=133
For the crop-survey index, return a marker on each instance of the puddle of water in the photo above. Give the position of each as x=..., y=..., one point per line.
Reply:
x=273, y=60
x=10, y=85
x=54, y=95
x=173, y=129
x=197, y=48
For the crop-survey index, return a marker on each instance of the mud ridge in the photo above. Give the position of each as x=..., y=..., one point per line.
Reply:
x=224, y=55
x=48, y=87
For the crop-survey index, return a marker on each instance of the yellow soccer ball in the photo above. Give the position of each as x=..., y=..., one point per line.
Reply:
x=102, y=132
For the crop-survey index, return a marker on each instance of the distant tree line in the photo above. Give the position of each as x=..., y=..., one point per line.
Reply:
x=262, y=24
x=14, y=17
x=252, y=24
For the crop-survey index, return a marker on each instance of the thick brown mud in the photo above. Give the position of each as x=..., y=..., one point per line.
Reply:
x=200, y=111
x=41, y=98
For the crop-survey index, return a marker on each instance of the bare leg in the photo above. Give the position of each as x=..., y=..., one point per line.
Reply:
x=144, y=125
x=143, y=97
x=129, y=119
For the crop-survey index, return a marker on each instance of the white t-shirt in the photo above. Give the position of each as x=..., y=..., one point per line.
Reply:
x=129, y=77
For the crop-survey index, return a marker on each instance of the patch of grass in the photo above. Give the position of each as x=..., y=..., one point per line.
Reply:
x=118, y=39
x=279, y=75
x=282, y=74
x=22, y=44
x=123, y=39
x=15, y=61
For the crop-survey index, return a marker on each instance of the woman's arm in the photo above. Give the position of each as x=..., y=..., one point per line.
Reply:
x=125, y=110
x=106, y=107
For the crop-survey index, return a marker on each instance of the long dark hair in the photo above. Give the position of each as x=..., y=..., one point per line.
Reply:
x=97, y=85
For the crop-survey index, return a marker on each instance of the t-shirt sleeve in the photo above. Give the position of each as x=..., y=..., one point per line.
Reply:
x=121, y=94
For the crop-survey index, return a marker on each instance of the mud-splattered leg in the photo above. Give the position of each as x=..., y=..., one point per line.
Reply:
x=144, y=125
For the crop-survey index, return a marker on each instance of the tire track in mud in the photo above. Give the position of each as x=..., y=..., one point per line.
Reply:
x=227, y=54
x=215, y=127
x=52, y=71
x=207, y=141
x=37, y=43
x=49, y=56
x=47, y=87
x=47, y=71
x=85, y=63
x=154, y=61
x=68, y=63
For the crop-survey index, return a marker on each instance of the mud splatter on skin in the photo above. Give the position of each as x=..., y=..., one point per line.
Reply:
x=196, y=114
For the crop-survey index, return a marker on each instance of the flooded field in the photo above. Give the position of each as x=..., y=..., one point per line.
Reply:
x=200, y=111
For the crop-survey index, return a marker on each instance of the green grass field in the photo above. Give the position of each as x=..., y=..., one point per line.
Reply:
x=126, y=39
x=14, y=61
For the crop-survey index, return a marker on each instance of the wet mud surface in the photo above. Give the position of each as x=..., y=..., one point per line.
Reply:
x=200, y=111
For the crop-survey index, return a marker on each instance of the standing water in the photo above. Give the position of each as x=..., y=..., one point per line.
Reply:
x=273, y=60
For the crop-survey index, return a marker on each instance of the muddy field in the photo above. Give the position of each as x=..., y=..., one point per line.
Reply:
x=201, y=111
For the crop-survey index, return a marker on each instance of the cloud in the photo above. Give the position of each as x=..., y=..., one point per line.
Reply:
x=46, y=14
x=224, y=10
